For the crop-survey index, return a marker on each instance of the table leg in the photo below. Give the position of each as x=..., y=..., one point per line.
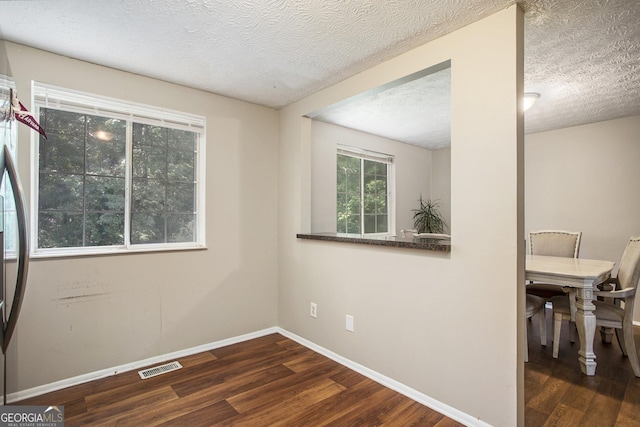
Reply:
x=586, y=324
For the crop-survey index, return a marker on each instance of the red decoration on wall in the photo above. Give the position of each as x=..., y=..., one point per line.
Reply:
x=20, y=112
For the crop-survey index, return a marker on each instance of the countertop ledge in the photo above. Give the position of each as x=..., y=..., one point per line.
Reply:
x=395, y=242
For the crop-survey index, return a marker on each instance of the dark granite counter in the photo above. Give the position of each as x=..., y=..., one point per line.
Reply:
x=395, y=241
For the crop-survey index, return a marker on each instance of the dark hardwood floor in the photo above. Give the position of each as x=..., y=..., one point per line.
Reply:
x=558, y=394
x=273, y=381
x=269, y=381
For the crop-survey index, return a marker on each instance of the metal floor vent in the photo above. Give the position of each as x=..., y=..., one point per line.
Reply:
x=159, y=370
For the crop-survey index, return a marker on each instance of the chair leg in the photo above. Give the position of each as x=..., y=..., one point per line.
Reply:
x=606, y=334
x=557, y=325
x=542, y=326
x=573, y=331
x=622, y=341
x=630, y=344
x=526, y=339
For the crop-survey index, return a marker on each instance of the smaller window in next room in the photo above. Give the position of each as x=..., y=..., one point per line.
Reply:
x=363, y=187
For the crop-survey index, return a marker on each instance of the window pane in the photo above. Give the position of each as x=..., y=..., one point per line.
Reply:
x=341, y=162
x=63, y=151
x=147, y=228
x=341, y=218
x=63, y=124
x=369, y=167
x=60, y=192
x=181, y=228
x=381, y=204
x=169, y=156
x=353, y=164
x=106, y=158
x=348, y=194
x=182, y=140
x=181, y=198
x=149, y=135
x=382, y=225
x=369, y=204
x=104, y=194
x=104, y=229
x=369, y=223
x=106, y=129
x=149, y=162
x=353, y=205
x=341, y=183
x=353, y=224
x=106, y=146
x=59, y=229
x=148, y=195
x=181, y=166
x=353, y=184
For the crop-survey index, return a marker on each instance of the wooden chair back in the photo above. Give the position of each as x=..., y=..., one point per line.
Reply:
x=555, y=243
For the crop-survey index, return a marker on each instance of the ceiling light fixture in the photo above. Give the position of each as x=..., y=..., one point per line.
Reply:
x=529, y=99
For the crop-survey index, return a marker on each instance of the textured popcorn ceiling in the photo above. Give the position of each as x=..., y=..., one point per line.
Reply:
x=416, y=111
x=582, y=56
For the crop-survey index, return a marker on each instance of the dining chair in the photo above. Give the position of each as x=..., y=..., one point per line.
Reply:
x=564, y=309
x=609, y=312
x=558, y=243
x=535, y=305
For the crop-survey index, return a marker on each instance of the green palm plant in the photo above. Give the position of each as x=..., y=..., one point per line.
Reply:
x=427, y=218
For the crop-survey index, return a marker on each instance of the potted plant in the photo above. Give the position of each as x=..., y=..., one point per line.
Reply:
x=427, y=218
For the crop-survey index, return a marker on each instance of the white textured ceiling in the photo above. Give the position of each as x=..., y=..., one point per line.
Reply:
x=582, y=56
x=415, y=110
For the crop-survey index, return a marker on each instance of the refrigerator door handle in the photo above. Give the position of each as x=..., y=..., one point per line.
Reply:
x=22, y=250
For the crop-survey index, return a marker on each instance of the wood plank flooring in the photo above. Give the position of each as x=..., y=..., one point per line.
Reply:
x=269, y=381
x=558, y=394
x=273, y=381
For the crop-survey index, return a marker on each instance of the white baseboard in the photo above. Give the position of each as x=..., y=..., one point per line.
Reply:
x=403, y=389
x=103, y=373
x=411, y=393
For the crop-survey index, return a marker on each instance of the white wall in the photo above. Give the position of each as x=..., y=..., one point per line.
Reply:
x=412, y=178
x=86, y=314
x=586, y=178
x=426, y=319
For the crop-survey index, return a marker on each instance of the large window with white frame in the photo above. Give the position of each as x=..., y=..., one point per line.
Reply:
x=115, y=176
x=363, y=203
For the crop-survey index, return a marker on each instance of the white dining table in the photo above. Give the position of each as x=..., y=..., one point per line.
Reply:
x=583, y=275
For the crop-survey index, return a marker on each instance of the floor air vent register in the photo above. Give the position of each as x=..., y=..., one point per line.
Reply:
x=159, y=370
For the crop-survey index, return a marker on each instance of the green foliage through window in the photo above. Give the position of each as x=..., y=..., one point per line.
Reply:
x=362, y=195
x=84, y=175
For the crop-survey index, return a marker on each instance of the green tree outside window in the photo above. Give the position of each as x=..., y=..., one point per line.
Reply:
x=362, y=195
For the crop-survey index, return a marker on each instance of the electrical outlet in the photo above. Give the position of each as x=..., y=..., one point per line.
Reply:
x=349, y=324
x=313, y=310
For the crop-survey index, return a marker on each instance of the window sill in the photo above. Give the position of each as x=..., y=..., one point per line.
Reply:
x=389, y=241
x=114, y=251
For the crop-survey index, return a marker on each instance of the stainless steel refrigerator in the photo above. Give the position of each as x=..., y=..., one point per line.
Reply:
x=13, y=222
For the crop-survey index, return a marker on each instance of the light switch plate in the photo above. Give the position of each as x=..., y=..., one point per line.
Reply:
x=349, y=325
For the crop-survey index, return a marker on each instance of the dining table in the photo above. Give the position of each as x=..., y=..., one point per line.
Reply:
x=583, y=275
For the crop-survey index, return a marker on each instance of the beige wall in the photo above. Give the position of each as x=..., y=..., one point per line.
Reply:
x=441, y=181
x=412, y=173
x=586, y=178
x=445, y=325
x=86, y=314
